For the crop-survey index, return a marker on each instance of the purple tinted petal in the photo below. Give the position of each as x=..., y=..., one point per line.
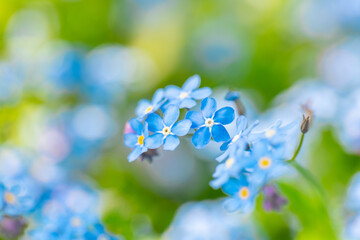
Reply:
x=191, y=83
x=219, y=133
x=196, y=118
x=155, y=123
x=224, y=115
x=136, y=125
x=208, y=107
x=171, y=114
x=201, y=137
x=181, y=128
x=171, y=142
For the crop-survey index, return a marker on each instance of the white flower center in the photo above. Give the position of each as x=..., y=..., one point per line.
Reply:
x=229, y=162
x=166, y=131
x=209, y=122
x=270, y=133
x=183, y=95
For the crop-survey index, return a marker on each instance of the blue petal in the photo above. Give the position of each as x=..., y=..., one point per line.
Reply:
x=225, y=145
x=218, y=182
x=232, y=204
x=232, y=96
x=141, y=107
x=181, y=128
x=154, y=141
x=155, y=122
x=130, y=140
x=201, y=93
x=201, y=137
x=208, y=107
x=232, y=187
x=191, y=83
x=171, y=114
x=196, y=118
x=219, y=133
x=224, y=115
x=171, y=142
x=241, y=124
x=138, y=150
x=172, y=92
x=187, y=103
x=158, y=96
x=136, y=125
x=146, y=130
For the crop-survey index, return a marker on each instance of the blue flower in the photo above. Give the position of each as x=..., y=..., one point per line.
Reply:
x=242, y=194
x=185, y=97
x=166, y=130
x=136, y=140
x=230, y=168
x=276, y=134
x=210, y=123
x=265, y=161
x=232, y=96
x=146, y=107
x=242, y=132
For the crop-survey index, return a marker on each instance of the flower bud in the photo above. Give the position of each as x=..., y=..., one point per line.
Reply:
x=305, y=125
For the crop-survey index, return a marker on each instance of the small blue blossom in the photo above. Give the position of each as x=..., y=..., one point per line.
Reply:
x=166, y=130
x=229, y=168
x=210, y=123
x=98, y=232
x=136, y=140
x=185, y=97
x=146, y=107
x=232, y=96
x=242, y=194
x=276, y=134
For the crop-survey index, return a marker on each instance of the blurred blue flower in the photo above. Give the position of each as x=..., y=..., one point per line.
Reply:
x=136, y=140
x=146, y=107
x=232, y=96
x=98, y=232
x=166, y=130
x=185, y=97
x=210, y=123
x=242, y=194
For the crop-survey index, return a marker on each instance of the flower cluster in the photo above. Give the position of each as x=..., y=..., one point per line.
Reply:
x=249, y=160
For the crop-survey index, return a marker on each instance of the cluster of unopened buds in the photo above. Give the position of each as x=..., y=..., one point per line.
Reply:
x=250, y=160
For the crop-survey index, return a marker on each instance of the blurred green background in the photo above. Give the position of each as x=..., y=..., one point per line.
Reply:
x=258, y=45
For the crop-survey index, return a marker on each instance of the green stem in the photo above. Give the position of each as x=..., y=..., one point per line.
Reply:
x=311, y=179
x=298, y=148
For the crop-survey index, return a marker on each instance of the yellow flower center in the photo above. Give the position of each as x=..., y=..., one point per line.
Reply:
x=265, y=162
x=229, y=162
x=270, y=133
x=149, y=109
x=166, y=131
x=76, y=222
x=244, y=193
x=9, y=198
x=183, y=95
x=209, y=122
x=141, y=140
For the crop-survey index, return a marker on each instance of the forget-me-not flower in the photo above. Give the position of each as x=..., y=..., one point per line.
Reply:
x=242, y=194
x=166, y=130
x=210, y=123
x=185, y=97
x=136, y=140
x=146, y=107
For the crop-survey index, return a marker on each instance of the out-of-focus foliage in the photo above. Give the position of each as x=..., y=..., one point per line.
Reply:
x=72, y=72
